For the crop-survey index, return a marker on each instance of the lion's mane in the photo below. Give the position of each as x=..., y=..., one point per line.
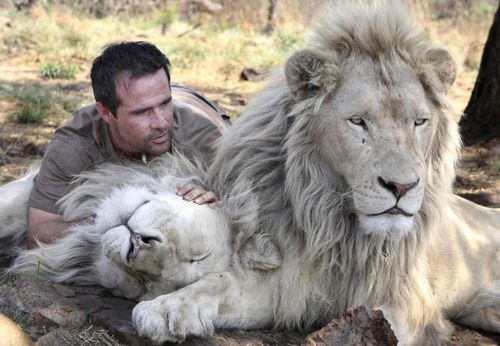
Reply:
x=270, y=170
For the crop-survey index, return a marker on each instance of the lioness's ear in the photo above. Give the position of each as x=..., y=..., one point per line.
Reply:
x=444, y=70
x=259, y=252
x=308, y=72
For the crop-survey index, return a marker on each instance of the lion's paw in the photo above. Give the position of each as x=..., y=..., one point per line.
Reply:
x=171, y=318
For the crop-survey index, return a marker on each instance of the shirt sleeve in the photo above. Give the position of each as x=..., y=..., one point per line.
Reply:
x=195, y=136
x=60, y=164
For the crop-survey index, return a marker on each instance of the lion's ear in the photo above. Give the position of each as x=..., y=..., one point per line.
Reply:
x=259, y=252
x=443, y=70
x=308, y=72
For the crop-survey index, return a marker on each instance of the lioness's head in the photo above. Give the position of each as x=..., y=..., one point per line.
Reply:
x=378, y=95
x=164, y=243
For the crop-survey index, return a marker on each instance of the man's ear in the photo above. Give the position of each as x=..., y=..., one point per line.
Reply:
x=104, y=112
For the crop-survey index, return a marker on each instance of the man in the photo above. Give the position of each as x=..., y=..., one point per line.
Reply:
x=137, y=115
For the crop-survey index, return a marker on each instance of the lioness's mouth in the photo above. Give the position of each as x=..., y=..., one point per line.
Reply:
x=139, y=242
x=393, y=211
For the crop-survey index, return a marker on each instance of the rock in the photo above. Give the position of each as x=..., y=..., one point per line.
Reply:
x=207, y=6
x=13, y=152
x=64, y=290
x=63, y=315
x=359, y=326
x=237, y=99
x=31, y=149
x=487, y=199
x=251, y=74
x=3, y=158
x=462, y=181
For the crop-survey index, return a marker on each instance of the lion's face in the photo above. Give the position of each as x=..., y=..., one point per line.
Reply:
x=166, y=243
x=378, y=144
x=376, y=129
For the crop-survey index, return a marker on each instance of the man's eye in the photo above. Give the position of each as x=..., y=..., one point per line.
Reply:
x=420, y=122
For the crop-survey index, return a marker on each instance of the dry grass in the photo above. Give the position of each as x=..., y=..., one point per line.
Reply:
x=210, y=56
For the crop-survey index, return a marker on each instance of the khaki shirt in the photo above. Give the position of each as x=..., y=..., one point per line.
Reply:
x=84, y=143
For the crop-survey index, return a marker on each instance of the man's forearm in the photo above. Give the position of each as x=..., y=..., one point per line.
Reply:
x=45, y=227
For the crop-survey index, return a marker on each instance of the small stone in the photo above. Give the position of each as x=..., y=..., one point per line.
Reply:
x=359, y=326
x=64, y=316
x=251, y=74
x=64, y=290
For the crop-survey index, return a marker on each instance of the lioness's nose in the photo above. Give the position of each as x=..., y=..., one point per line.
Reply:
x=398, y=190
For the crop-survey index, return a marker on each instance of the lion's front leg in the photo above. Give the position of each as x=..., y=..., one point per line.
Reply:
x=483, y=312
x=174, y=316
x=216, y=300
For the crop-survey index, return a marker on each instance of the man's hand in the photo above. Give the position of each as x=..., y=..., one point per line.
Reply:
x=196, y=194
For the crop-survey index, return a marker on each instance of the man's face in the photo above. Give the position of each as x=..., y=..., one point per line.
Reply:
x=144, y=116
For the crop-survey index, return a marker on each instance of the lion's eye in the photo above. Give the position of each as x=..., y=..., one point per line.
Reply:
x=358, y=121
x=149, y=240
x=199, y=258
x=420, y=122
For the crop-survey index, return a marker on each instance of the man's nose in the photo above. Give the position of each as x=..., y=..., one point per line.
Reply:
x=159, y=118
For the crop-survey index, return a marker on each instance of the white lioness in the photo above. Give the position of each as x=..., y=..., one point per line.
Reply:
x=345, y=162
x=143, y=239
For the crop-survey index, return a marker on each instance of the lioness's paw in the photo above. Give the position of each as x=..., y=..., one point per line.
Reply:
x=150, y=322
x=171, y=318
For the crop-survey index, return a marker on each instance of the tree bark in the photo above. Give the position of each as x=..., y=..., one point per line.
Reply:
x=481, y=121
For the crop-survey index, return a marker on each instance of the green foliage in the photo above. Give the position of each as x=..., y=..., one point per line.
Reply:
x=168, y=16
x=496, y=166
x=33, y=103
x=58, y=70
x=75, y=39
x=20, y=320
x=288, y=40
x=484, y=9
x=18, y=40
x=185, y=55
x=472, y=63
x=36, y=103
x=30, y=113
x=4, y=179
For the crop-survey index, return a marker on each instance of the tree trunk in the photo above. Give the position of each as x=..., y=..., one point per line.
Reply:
x=270, y=17
x=481, y=121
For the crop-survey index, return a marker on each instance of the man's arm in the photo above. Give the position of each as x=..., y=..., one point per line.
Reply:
x=45, y=227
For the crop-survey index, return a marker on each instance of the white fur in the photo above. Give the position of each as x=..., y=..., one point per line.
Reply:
x=14, y=215
x=297, y=173
x=190, y=240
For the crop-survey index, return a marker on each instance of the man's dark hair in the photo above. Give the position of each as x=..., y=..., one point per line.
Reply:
x=137, y=58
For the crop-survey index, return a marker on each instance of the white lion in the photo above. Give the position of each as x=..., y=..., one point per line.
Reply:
x=137, y=238
x=341, y=170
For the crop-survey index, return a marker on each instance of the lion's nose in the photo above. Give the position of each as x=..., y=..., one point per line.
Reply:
x=397, y=189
